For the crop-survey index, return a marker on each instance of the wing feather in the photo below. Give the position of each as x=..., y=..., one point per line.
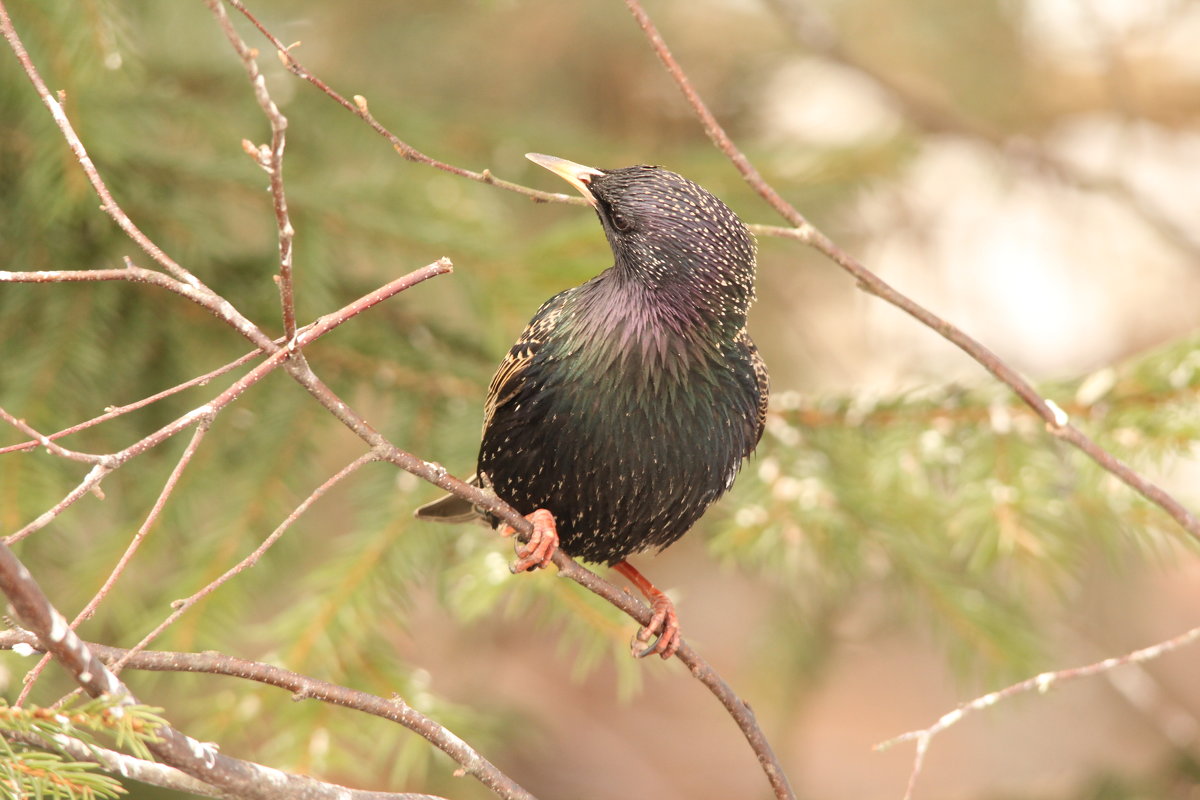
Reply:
x=509, y=377
x=763, y=381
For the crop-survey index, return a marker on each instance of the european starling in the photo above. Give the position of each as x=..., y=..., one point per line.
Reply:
x=627, y=405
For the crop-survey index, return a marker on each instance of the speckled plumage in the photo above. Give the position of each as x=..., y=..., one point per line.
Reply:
x=629, y=402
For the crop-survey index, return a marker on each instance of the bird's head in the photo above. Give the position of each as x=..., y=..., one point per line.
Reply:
x=666, y=231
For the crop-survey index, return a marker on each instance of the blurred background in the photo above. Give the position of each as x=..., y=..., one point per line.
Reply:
x=907, y=537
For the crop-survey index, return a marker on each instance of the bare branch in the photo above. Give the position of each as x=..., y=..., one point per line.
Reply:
x=57, y=449
x=271, y=160
x=1041, y=683
x=806, y=27
x=199, y=294
x=303, y=687
x=567, y=567
x=127, y=556
x=200, y=760
x=181, y=606
x=107, y=204
x=361, y=110
x=140, y=770
x=89, y=483
x=112, y=412
x=107, y=463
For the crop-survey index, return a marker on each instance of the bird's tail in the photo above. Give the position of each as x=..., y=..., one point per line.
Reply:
x=451, y=508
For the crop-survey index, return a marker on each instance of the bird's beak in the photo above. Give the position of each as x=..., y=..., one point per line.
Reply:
x=577, y=175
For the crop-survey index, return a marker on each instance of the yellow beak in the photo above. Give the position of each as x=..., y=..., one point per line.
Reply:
x=577, y=175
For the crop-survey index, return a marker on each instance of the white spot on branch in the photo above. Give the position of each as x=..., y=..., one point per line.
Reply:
x=1061, y=419
x=58, y=627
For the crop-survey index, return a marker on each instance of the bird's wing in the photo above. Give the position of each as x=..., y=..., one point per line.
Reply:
x=763, y=381
x=510, y=375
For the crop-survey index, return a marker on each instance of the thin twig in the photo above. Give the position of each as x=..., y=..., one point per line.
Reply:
x=181, y=606
x=107, y=463
x=200, y=760
x=360, y=109
x=303, y=687
x=90, y=608
x=1041, y=683
x=271, y=160
x=803, y=22
x=108, y=205
x=112, y=412
x=53, y=447
x=89, y=483
x=197, y=293
x=1057, y=422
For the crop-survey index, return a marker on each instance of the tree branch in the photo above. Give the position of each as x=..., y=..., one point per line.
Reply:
x=271, y=160
x=90, y=608
x=807, y=28
x=138, y=769
x=360, y=109
x=1042, y=683
x=200, y=760
x=302, y=687
x=181, y=606
x=112, y=412
x=90, y=483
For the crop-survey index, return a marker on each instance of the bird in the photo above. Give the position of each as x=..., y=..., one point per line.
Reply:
x=629, y=403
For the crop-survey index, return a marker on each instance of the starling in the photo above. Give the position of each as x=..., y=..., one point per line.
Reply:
x=627, y=405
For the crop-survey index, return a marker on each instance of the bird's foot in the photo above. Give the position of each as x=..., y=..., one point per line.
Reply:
x=663, y=627
x=542, y=544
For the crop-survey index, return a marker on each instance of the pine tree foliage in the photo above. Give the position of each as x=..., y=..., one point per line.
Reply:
x=958, y=501
x=29, y=772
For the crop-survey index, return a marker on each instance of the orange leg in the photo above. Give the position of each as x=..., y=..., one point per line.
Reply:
x=664, y=624
x=539, y=550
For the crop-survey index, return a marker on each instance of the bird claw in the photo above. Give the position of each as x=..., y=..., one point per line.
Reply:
x=663, y=626
x=542, y=544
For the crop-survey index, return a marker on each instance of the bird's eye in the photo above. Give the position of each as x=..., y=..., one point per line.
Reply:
x=620, y=222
